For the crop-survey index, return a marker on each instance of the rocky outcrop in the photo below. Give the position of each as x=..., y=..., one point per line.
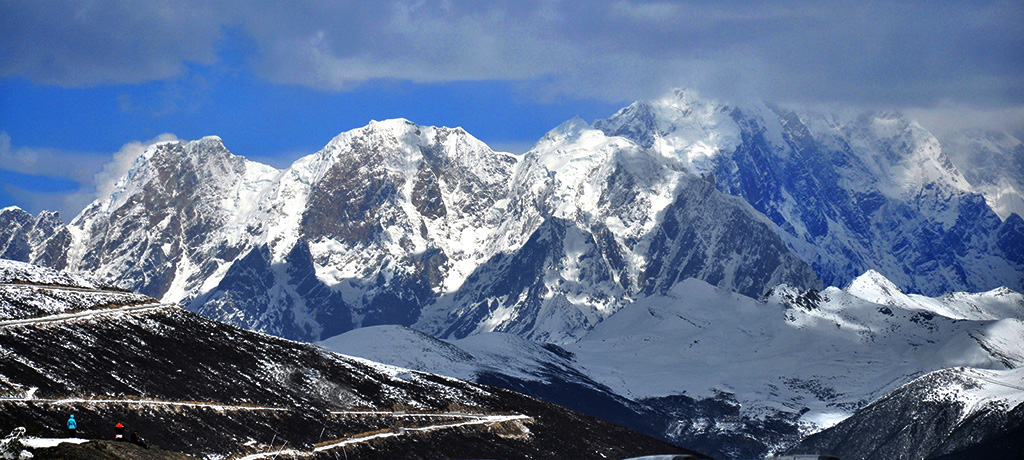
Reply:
x=952, y=413
x=43, y=239
x=179, y=214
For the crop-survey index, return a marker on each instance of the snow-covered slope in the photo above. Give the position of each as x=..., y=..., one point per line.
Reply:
x=29, y=291
x=850, y=193
x=13, y=271
x=805, y=358
x=788, y=350
x=468, y=358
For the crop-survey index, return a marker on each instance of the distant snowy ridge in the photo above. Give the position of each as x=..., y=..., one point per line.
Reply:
x=812, y=357
x=43, y=239
x=993, y=162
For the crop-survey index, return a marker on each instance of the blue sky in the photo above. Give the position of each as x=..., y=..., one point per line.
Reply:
x=84, y=85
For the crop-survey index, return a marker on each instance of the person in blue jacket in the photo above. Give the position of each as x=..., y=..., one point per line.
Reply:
x=72, y=425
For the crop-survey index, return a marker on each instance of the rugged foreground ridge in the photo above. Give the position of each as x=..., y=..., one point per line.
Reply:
x=206, y=388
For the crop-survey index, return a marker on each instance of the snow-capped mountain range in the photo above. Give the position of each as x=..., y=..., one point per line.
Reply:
x=856, y=192
x=630, y=255
x=396, y=223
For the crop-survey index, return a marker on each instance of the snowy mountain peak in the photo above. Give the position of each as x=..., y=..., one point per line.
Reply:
x=568, y=131
x=204, y=163
x=391, y=124
x=211, y=139
x=394, y=128
x=874, y=287
x=25, y=237
x=402, y=143
x=636, y=121
x=682, y=127
x=683, y=98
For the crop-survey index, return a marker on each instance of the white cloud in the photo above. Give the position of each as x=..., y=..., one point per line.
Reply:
x=67, y=204
x=76, y=166
x=948, y=119
x=904, y=54
x=121, y=161
x=94, y=173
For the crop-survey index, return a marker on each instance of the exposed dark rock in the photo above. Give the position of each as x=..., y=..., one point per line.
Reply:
x=257, y=295
x=710, y=237
x=43, y=240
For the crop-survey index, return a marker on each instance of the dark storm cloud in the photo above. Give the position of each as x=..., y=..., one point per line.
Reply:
x=895, y=53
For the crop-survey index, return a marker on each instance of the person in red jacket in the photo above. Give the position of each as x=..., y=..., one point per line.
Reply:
x=119, y=432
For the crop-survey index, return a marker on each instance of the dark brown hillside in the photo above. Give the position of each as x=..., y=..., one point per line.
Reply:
x=202, y=387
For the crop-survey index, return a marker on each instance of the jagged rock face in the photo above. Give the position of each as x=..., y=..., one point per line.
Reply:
x=428, y=226
x=380, y=169
x=527, y=292
x=397, y=223
x=707, y=236
x=595, y=220
x=873, y=192
x=42, y=240
x=171, y=222
x=287, y=299
x=14, y=237
x=397, y=214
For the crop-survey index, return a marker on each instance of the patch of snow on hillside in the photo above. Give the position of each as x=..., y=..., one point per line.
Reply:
x=14, y=271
